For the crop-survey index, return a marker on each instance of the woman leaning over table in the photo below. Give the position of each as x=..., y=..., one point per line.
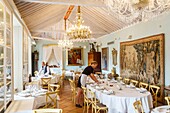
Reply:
x=88, y=71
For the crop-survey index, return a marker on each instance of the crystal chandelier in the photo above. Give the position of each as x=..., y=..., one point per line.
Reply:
x=132, y=11
x=65, y=43
x=79, y=31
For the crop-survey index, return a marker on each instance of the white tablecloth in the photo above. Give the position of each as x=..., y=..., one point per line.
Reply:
x=54, y=79
x=69, y=74
x=161, y=109
x=38, y=100
x=122, y=101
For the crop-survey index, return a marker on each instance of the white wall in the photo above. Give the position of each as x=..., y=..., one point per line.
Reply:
x=41, y=43
x=156, y=26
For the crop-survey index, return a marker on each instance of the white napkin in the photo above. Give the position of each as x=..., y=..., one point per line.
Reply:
x=128, y=86
x=24, y=94
x=107, y=92
x=121, y=82
x=118, y=87
x=114, y=81
x=92, y=85
x=99, y=87
x=141, y=90
x=131, y=85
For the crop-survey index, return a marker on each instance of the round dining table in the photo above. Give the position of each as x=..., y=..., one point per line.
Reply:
x=161, y=109
x=122, y=99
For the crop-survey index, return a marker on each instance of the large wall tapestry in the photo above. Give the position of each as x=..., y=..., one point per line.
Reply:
x=105, y=58
x=143, y=59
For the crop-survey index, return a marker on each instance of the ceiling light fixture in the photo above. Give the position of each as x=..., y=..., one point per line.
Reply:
x=79, y=32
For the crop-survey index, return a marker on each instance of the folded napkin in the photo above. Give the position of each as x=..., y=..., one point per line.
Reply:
x=99, y=87
x=132, y=86
x=92, y=85
x=43, y=90
x=114, y=81
x=108, y=92
x=24, y=94
x=121, y=82
x=118, y=87
x=141, y=90
x=128, y=86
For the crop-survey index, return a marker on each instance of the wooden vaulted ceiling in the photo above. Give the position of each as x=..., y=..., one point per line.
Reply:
x=47, y=20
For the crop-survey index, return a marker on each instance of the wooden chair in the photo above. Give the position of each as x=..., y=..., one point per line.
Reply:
x=87, y=101
x=134, y=82
x=96, y=105
x=47, y=111
x=45, y=82
x=154, y=91
x=61, y=81
x=138, y=107
x=53, y=87
x=73, y=90
x=126, y=80
x=143, y=85
x=119, y=78
x=167, y=100
x=51, y=99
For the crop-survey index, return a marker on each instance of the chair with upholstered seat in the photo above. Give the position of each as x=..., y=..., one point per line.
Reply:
x=126, y=80
x=53, y=87
x=73, y=90
x=45, y=82
x=138, y=107
x=52, y=99
x=154, y=91
x=47, y=111
x=134, y=82
x=96, y=105
x=143, y=85
x=167, y=100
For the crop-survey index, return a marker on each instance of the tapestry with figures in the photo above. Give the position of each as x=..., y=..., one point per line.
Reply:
x=143, y=59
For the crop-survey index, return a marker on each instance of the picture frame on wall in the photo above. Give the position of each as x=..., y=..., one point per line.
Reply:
x=114, y=56
x=105, y=58
x=74, y=57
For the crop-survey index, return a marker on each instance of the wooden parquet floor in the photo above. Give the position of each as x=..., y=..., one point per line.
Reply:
x=65, y=102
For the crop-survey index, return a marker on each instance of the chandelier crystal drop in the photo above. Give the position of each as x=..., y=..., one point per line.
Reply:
x=79, y=31
x=132, y=11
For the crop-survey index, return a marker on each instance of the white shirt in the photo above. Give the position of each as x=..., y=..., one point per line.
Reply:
x=41, y=71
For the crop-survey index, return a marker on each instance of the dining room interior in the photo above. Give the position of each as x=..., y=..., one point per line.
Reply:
x=76, y=56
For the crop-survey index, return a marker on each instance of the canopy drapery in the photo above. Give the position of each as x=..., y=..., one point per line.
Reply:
x=52, y=55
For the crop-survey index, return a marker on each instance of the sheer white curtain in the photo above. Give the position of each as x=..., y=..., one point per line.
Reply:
x=58, y=55
x=47, y=51
x=52, y=50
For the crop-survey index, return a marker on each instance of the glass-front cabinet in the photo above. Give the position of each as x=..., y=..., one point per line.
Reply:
x=5, y=57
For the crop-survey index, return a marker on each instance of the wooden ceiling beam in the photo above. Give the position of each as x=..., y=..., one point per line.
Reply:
x=69, y=11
